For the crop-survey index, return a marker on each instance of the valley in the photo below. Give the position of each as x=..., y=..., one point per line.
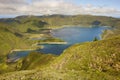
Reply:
x=42, y=45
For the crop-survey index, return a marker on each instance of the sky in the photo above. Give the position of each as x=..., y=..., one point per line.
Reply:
x=12, y=8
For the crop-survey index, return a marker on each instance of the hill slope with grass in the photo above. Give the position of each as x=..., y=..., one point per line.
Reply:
x=37, y=60
x=10, y=39
x=99, y=60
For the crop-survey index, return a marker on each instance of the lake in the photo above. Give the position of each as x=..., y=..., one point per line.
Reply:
x=71, y=35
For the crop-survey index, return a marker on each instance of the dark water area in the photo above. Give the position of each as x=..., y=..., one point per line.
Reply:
x=54, y=48
x=17, y=54
x=71, y=35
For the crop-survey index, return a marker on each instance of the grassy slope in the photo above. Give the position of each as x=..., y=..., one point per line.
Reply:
x=37, y=60
x=95, y=60
x=99, y=60
x=11, y=39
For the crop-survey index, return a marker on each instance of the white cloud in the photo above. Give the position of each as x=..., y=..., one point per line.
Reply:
x=12, y=1
x=41, y=7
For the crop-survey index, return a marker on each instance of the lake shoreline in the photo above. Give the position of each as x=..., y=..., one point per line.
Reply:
x=68, y=33
x=18, y=50
x=52, y=43
x=82, y=26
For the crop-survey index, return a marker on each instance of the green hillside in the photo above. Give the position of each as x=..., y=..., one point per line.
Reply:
x=35, y=23
x=99, y=60
x=100, y=57
x=37, y=60
x=11, y=39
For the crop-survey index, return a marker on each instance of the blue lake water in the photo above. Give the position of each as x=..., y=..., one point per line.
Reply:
x=18, y=54
x=71, y=35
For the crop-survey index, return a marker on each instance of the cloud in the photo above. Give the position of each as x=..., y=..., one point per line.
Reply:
x=11, y=6
x=12, y=1
x=42, y=7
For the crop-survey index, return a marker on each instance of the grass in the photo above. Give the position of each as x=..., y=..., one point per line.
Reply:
x=36, y=23
x=37, y=60
x=97, y=60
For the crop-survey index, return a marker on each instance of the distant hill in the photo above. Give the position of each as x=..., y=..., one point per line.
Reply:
x=55, y=21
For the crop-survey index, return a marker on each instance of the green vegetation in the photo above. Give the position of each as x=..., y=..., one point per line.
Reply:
x=93, y=58
x=110, y=33
x=52, y=41
x=97, y=60
x=32, y=24
x=11, y=39
x=95, y=39
x=37, y=60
